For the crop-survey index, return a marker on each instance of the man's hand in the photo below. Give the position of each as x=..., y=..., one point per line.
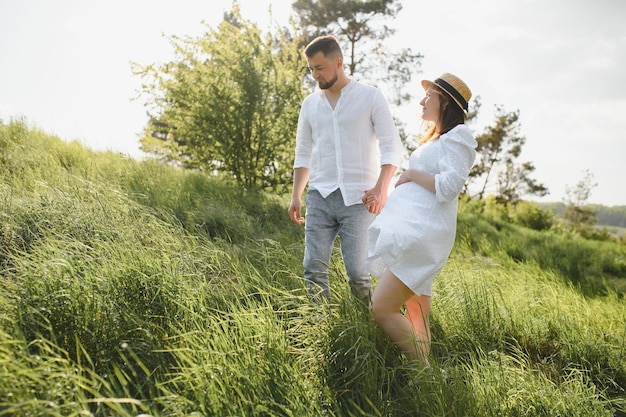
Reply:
x=295, y=209
x=374, y=200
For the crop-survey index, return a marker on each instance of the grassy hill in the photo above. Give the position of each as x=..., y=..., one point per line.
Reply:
x=130, y=288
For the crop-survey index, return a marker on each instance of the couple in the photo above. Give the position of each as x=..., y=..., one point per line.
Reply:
x=347, y=151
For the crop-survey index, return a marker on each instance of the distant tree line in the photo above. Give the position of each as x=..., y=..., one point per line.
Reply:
x=610, y=216
x=614, y=216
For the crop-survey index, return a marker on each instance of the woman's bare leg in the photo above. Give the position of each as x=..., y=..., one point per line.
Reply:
x=411, y=333
x=417, y=311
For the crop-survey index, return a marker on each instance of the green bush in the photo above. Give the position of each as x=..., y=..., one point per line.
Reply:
x=530, y=215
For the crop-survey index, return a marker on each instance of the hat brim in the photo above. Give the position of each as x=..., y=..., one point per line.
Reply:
x=426, y=84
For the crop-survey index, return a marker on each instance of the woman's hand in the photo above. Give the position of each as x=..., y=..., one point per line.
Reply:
x=405, y=177
x=419, y=177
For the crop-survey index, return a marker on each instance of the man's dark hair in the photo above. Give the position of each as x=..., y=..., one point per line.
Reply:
x=326, y=44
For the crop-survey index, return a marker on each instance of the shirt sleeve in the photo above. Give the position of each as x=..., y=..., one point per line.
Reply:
x=386, y=131
x=304, y=140
x=458, y=152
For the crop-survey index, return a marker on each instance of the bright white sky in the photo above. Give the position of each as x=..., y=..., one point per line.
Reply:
x=65, y=67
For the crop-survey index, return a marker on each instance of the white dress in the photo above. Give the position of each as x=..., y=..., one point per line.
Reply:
x=414, y=233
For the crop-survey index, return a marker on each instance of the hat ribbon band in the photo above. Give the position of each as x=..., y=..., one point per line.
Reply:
x=452, y=91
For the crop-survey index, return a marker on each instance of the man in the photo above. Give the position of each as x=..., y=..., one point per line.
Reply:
x=347, y=150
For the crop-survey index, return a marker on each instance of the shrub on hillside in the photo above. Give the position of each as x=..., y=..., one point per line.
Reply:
x=529, y=214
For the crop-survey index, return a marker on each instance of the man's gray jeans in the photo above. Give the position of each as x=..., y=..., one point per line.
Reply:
x=325, y=219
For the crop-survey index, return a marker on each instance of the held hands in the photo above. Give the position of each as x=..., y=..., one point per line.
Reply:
x=374, y=200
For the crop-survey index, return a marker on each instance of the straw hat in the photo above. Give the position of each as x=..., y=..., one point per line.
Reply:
x=454, y=86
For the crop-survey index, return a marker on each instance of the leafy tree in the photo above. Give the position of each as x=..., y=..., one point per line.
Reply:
x=228, y=103
x=578, y=213
x=360, y=26
x=514, y=182
x=499, y=147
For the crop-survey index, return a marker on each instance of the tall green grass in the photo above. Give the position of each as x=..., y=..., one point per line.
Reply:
x=131, y=288
x=595, y=267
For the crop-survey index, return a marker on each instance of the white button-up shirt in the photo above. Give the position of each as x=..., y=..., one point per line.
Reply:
x=345, y=147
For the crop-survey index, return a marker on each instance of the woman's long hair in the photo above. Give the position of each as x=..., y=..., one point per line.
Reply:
x=450, y=114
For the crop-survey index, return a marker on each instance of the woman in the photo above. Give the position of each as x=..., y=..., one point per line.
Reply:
x=411, y=239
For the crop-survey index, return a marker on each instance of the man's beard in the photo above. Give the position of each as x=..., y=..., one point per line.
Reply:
x=328, y=84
